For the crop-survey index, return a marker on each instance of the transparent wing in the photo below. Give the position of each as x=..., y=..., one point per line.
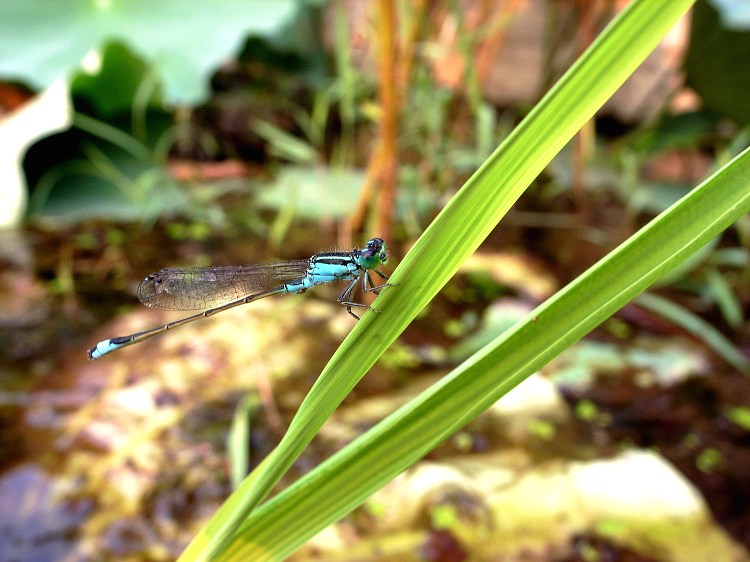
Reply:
x=200, y=288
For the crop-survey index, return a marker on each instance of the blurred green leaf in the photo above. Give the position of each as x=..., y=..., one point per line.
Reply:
x=114, y=86
x=740, y=416
x=680, y=131
x=698, y=327
x=186, y=39
x=238, y=438
x=718, y=63
x=586, y=410
x=709, y=460
x=285, y=145
x=499, y=317
x=96, y=169
x=313, y=192
x=306, y=193
x=725, y=299
x=543, y=429
x=104, y=181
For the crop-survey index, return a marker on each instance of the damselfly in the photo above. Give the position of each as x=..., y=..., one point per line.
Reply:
x=218, y=288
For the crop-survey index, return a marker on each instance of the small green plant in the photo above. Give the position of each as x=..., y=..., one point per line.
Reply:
x=740, y=416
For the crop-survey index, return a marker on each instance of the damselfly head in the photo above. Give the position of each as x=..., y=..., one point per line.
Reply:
x=376, y=248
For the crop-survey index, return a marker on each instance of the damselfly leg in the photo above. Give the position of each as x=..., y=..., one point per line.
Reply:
x=345, y=298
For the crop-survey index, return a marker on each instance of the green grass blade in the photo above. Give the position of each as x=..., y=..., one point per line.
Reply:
x=238, y=438
x=725, y=298
x=345, y=480
x=452, y=237
x=700, y=329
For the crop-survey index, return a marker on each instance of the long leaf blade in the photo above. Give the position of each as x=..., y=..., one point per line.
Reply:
x=452, y=237
x=345, y=480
